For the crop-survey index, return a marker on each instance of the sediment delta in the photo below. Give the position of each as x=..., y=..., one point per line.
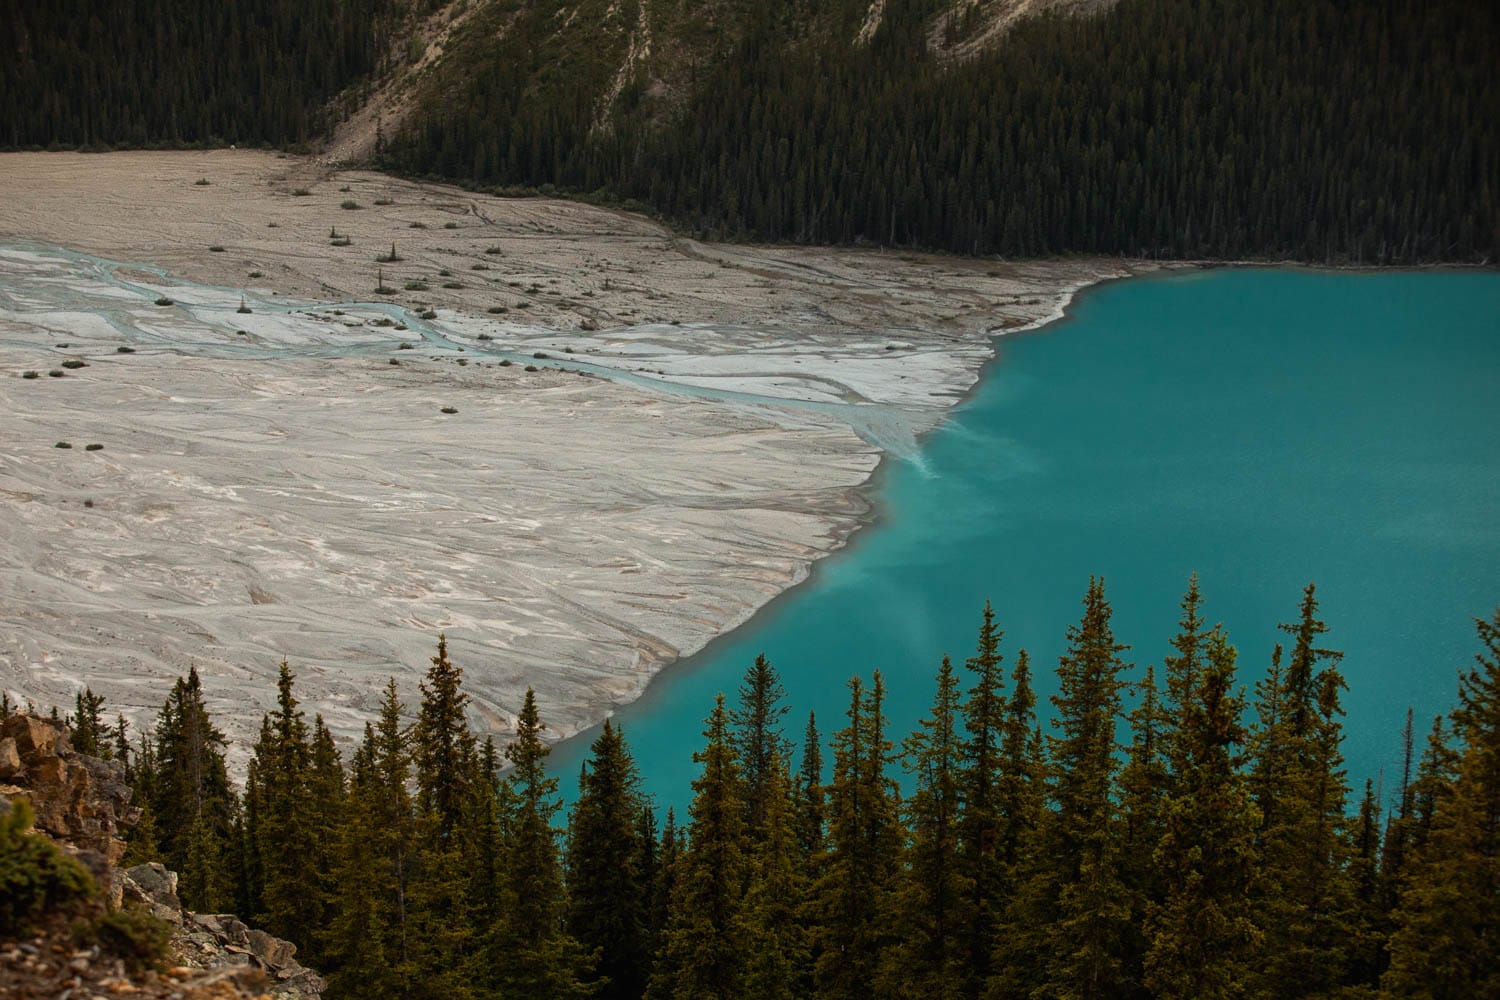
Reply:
x=694, y=434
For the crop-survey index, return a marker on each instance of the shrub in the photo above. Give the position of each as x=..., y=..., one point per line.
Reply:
x=345, y=189
x=132, y=934
x=389, y=258
x=505, y=362
x=416, y=285
x=479, y=267
x=394, y=361
x=494, y=251
x=445, y=273
x=30, y=374
x=450, y=225
x=201, y=182
x=122, y=349
x=300, y=193
x=484, y=336
x=384, y=201
x=499, y=309
x=540, y=354
x=417, y=225
x=215, y=249
x=428, y=314
x=56, y=373
x=74, y=363
x=403, y=347
x=63, y=444
x=349, y=204
x=93, y=447
x=34, y=875
x=532, y=368
x=453, y=284
x=163, y=301
x=449, y=409
x=257, y=274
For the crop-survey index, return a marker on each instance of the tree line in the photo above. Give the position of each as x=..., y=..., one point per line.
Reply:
x=1168, y=835
x=99, y=74
x=1320, y=130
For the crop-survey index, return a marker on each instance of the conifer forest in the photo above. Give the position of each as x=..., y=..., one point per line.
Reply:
x=1187, y=832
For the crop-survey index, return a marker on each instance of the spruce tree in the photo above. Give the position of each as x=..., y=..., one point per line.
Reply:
x=808, y=793
x=536, y=956
x=756, y=732
x=777, y=965
x=704, y=948
x=854, y=897
x=982, y=823
x=1202, y=940
x=608, y=893
x=936, y=890
x=443, y=749
x=1444, y=945
x=1307, y=907
x=1088, y=904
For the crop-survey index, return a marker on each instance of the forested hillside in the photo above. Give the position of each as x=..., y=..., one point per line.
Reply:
x=1314, y=129
x=1322, y=130
x=1164, y=836
x=98, y=74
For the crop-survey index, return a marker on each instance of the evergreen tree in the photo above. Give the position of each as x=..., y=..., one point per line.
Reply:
x=539, y=957
x=937, y=891
x=854, y=897
x=1088, y=903
x=704, y=944
x=89, y=733
x=756, y=734
x=982, y=823
x=809, y=792
x=443, y=747
x=1203, y=942
x=608, y=892
x=1307, y=909
x=1444, y=945
x=777, y=964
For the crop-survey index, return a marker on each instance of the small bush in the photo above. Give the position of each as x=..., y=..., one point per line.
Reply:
x=417, y=225
x=505, y=362
x=122, y=349
x=93, y=447
x=300, y=193
x=540, y=355
x=349, y=204
x=479, y=267
x=345, y=189
x=201, y=182
x=484, y=336
x=34, y=875
x=243, y=309
x=428, y=314
x=453, y=284
x=449, y=409
x=31, y=374
x=494, y=251
x=215, y=249
x=56, y=373
x=394, y=361
x=532, y=368
x=74, y=363
x=415, y=285
x=499, y=309
x=389, y=258
x=384, y=201
x=403, y=346
x=257, y=274
x=450, y=225
x=342, y=241
x=63, y=444
x=162, y=300
x=132, y=934
x=273, y=225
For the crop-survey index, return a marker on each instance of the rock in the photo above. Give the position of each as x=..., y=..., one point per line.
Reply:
x=10, y=758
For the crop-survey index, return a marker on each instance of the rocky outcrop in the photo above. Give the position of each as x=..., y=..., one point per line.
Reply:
x=216, y=941
x=83, y=803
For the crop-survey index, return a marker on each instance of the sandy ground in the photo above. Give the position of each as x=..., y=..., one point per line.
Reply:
x=272, y=486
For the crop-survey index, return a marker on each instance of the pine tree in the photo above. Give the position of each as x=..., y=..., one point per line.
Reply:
x=89, y=734
x=1089, y=908
x=287, y=838
x=608, y=893
x=538, y=957
x=808, y=793
x=854, y=897
x=756, y=733
x=982, y=826
x=1202, y=941
x=1444, y=943
x=704, y=943
x=937, y=890
x=192, y=804
x=443, y=747
x=777, y=965
x=1307, y=910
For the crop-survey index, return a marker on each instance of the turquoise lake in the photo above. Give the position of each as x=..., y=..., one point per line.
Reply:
x=1262, y=428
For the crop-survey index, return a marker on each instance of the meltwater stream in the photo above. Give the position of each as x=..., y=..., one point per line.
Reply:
x=152, y=309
